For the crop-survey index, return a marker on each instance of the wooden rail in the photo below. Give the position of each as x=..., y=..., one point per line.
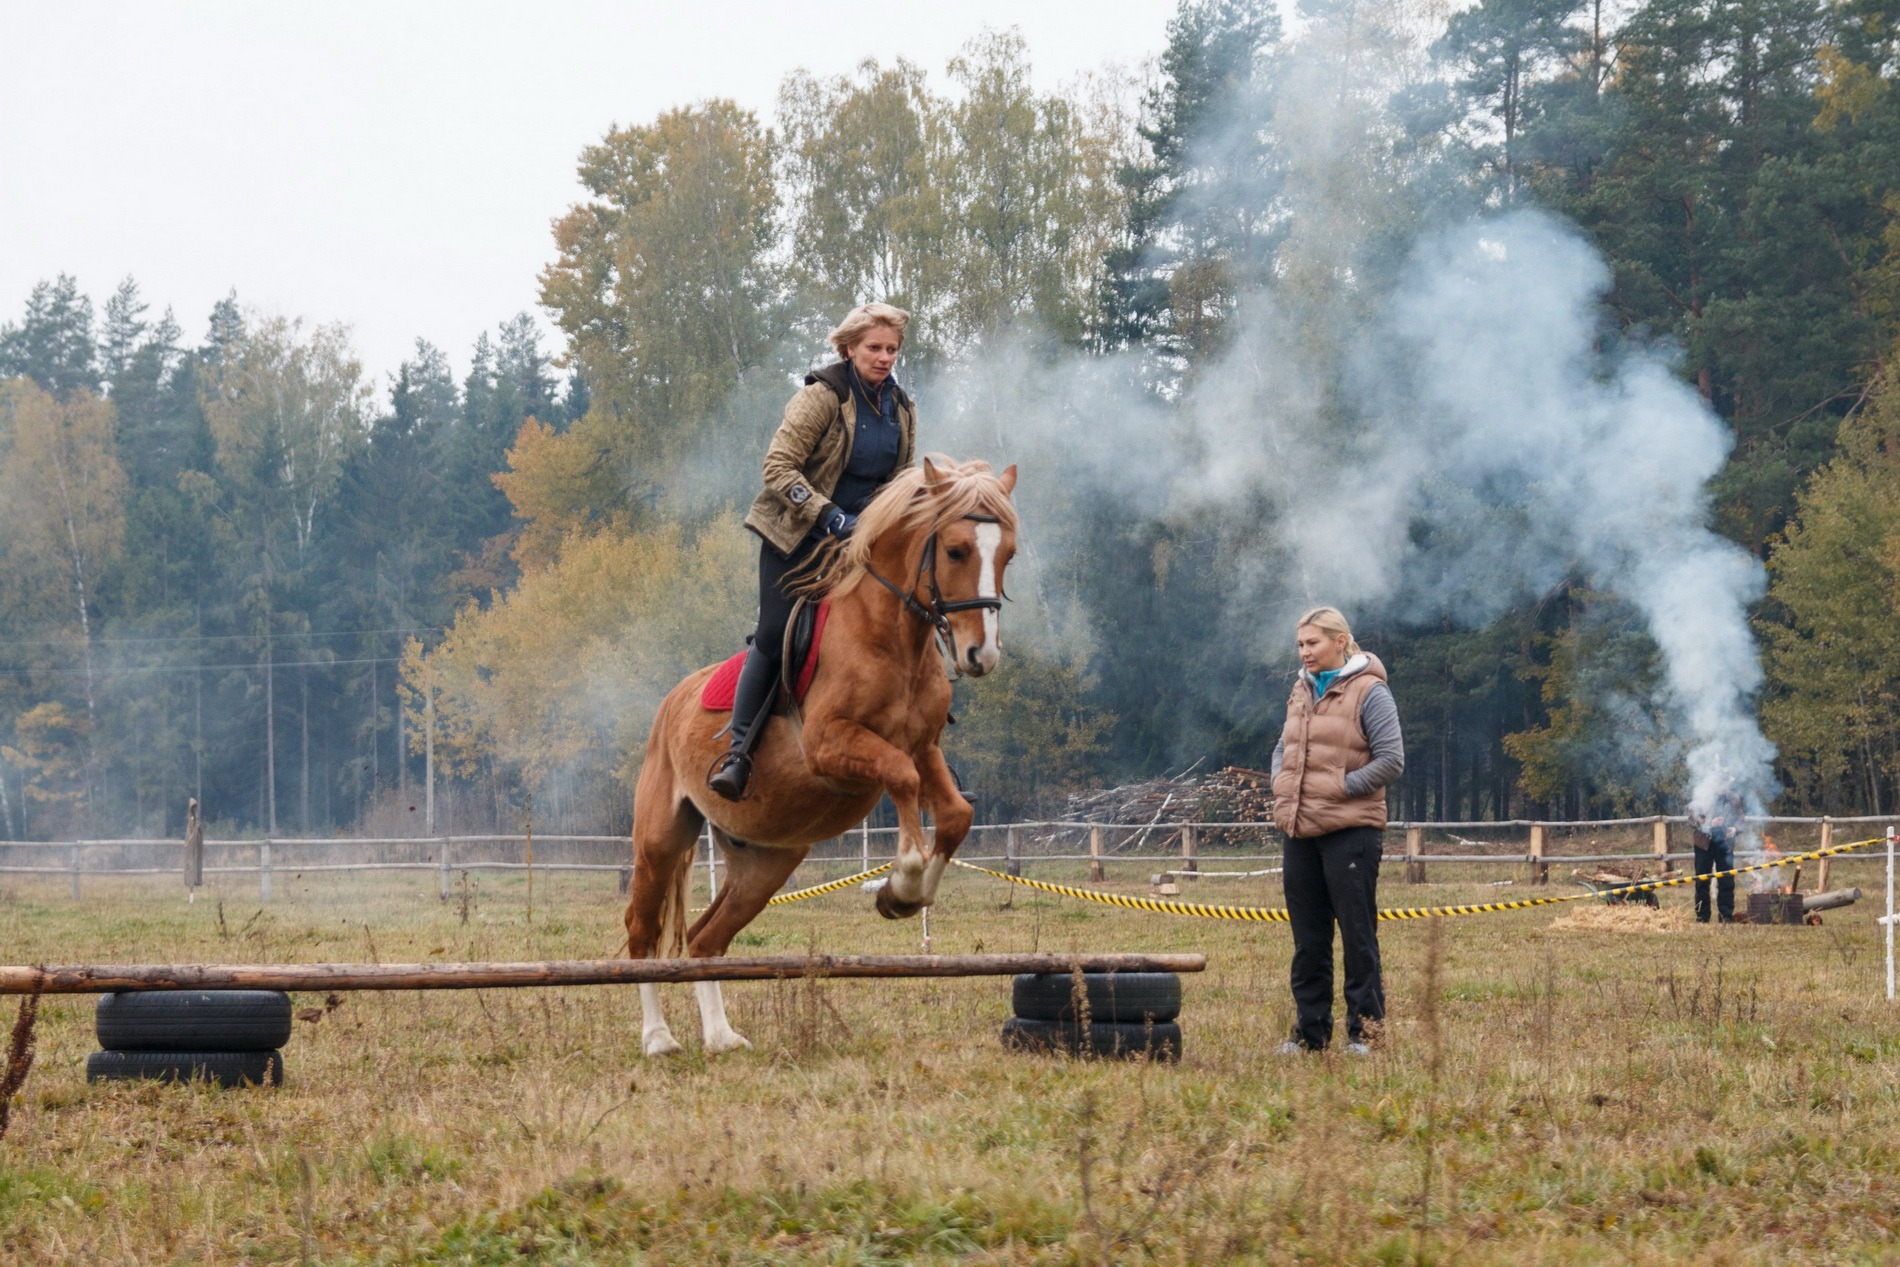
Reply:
x=115, y=978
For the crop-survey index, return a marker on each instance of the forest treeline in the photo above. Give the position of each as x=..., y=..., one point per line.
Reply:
x=233, y=567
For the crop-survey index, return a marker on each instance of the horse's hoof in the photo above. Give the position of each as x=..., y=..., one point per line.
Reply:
x=729, y=1041
x=891, y=908
x=662, y=1044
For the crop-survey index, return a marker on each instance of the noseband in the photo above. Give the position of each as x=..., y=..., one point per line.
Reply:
x=938, y=614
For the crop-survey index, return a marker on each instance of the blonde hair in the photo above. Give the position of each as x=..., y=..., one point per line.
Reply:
x=908, y=505
x=858, y=322
x=1330, y=622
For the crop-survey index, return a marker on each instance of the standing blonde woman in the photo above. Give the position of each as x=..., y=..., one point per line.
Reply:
x=842, y=439
x=1340, y=748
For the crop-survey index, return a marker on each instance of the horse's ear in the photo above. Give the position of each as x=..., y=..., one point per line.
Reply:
x=1008, y=478
x=933, y=478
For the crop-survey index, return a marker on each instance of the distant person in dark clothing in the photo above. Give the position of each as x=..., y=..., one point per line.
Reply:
x=1340, y=748
x=1715, y=851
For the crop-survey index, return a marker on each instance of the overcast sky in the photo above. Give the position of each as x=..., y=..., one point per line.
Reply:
x=396, y=165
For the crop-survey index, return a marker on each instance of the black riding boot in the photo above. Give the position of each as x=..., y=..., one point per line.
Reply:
x=751, y=705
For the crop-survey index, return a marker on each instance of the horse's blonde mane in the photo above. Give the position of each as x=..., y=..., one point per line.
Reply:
x=907, y=506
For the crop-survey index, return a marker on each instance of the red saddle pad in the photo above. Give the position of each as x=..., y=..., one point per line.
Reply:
x=716, y=695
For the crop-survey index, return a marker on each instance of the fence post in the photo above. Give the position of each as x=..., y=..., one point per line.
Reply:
x=1540, y=870
x=194, y=850
x=712, y=868
x=263, y=870
x=864, y=842
x=1190, y=853
x=1659, y=842
x=1414, y=851
x=1096, y=872
x=1827, y=864
x=1012, y=857
x=76, y=848
x=443, y=884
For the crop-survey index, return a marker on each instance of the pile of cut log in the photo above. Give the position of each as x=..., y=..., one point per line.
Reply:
x=1234, y=794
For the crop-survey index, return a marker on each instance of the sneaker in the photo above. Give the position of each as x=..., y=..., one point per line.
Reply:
x=1292, y=1048
x=1358, y=1049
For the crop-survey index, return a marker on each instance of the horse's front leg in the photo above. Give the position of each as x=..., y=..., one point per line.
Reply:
x=951, y=811
x=847, y=752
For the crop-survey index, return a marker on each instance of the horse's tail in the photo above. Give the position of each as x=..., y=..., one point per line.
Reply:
x=674, y=908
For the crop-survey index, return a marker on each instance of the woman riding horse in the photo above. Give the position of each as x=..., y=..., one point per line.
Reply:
x=842, y=439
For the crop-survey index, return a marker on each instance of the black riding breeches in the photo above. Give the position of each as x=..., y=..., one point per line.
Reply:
x=753, y=695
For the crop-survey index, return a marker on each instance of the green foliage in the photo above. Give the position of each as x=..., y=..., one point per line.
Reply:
x=1834, y=652
x=1026, y=734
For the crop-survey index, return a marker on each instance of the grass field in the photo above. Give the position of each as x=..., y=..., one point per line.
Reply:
x=1540, y=1094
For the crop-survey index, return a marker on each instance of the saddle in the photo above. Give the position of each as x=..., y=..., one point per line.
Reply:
x=803, y=634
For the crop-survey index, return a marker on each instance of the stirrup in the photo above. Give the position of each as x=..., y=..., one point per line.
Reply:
x=729, y=775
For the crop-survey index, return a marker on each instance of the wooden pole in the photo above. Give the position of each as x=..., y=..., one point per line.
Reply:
x=1659, y=843
x=530, y=857
x=1096, y=872
x=1540, y=870
x=115, y=978
x=194, y=849
x=1414, y=850
x=1190, y=853
x=1827, y=864
x=1012, y=859
x=443, y=882
x=428, y=751
x=263, y=869
x=75, y=864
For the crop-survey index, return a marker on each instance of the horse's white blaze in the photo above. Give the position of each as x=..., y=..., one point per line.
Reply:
x=988, y=537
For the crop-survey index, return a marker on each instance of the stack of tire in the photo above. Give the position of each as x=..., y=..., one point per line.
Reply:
x=228, y=1037
x=1121, y=1015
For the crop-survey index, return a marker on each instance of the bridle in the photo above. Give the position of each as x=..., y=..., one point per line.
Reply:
x=938, y=614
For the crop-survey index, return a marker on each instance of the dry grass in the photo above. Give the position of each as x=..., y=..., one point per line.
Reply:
x=1719, y=1095
x=1630, y=917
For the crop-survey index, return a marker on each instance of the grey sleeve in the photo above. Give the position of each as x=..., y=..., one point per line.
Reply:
x=1279, y=755
x=1379, y=718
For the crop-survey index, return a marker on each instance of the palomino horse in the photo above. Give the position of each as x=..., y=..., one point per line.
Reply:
x=934, y=545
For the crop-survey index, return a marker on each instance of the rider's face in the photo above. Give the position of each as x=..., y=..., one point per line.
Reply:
x=875, y=354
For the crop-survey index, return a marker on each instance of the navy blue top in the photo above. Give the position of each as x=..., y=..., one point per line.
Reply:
x=874, y=446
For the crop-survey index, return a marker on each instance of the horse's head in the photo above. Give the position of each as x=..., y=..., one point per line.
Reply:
x=971, y=545
x=940, y=536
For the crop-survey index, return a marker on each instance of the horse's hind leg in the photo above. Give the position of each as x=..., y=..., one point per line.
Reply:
x=664, y=833
x=753, y=875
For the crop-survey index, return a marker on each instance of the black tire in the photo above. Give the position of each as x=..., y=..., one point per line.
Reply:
x=194, y=1020
x=1115, y=1039
x=226, y=1068
x=1131, y=997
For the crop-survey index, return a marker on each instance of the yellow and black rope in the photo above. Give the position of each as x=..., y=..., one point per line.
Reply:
x=830, y=886
x=1266, y=914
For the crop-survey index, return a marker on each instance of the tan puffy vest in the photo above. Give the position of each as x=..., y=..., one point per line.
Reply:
x=1324, y=741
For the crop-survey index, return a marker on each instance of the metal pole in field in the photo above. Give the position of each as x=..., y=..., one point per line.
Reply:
x=263, y=869
x=864, y=840
x=443, y=887
x=712, y=868
x=1890, y=914
x=76, y=848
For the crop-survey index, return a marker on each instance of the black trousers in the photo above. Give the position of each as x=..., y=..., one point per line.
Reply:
x=1334, y=879
x=756, y=680
x=1710, y=858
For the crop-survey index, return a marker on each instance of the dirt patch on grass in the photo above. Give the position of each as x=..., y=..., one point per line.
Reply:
x=1597, y=917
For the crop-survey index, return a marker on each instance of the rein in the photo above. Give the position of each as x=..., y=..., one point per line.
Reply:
x=938, y=614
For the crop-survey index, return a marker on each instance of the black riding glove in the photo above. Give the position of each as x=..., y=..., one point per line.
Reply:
x=840, y=523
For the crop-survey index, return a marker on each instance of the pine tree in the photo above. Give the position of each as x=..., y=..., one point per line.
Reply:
x=53, y=344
